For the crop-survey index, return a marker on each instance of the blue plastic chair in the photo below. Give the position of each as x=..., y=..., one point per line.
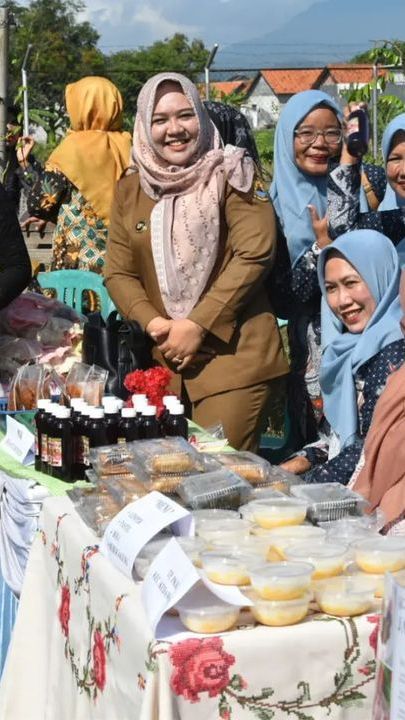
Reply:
x=69, y=286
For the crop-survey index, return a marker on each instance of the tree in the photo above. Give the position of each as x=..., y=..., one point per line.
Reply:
x=64, y=50
x=130, y=69
x=389, y=54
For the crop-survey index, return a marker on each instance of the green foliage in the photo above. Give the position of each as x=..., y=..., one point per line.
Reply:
x=391, y=54
x=130, y=69
x=265, y=142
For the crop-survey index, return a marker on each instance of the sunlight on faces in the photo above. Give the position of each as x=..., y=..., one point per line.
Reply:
x=175, y=126
x=312, y=158
x=347, y=294
x=396, y=164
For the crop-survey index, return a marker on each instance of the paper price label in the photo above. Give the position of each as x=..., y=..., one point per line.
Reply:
x=137, y=523
x=19, y=442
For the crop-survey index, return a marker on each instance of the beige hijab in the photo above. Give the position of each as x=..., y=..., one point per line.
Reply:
x=96, y=151
x=382, y=479
x=185, y=221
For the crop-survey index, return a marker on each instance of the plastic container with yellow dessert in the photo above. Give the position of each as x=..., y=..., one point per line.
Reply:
x=345, y=596
x=277, y=512
x=328, y=558
x=281, y=538
x=380, y=554
x=253, y=545
x=278, y=612
x=201, y=612
x=226, y=568
x=218, y=514
x=226, y=532
x=281, y=581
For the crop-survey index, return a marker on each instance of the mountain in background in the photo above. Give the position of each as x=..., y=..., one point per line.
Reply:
x=328, y=32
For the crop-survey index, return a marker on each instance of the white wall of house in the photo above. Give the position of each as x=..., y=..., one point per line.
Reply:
x=262, y=106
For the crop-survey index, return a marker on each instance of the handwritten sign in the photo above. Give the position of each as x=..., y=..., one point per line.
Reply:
x=19, y=442
x=170, y=576
x=137, y=523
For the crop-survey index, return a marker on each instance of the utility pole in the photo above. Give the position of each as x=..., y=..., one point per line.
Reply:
x=207, y=70
x=4, y=29
x=24, y=80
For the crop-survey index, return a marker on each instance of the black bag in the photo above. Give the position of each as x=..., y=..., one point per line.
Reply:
x=119, y=346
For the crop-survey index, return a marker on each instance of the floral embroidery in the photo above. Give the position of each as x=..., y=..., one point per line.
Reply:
x=200, y=666
x=203, y=666
x=90, y=674
x=64, y=609
x=373, y=639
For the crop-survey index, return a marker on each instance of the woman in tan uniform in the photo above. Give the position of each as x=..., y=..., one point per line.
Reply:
x=192, y=237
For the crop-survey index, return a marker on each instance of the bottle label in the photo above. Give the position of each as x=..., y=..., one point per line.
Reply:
x=78, y=449
x=56, y=452
x=36, y=444
x=44, y=448
x=51, y=444
x=120, y=440
x=86, y=451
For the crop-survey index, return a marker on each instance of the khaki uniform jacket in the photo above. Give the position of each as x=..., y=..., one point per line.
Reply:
x=234, y=309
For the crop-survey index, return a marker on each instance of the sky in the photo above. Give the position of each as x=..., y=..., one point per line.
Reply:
x=128, y=24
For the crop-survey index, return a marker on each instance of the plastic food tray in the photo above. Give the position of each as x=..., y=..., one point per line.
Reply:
x=329, y=501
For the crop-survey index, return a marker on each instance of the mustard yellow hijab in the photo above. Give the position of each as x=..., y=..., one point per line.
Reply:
x=95, y=152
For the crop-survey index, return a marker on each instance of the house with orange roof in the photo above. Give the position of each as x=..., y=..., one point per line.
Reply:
x=271, y=89
x=229, y=87
x=341, y=77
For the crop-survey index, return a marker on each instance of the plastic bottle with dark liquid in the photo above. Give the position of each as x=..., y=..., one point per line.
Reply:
x=41, y=417
x=83, y=450
x=96, y=430
x=47, y=438
x=77, y=405
x=149, y=428
x=176, y=423
x=128, y=429
x=357, y=132
x=111, y=420
x=168, y=402
x=62, y=444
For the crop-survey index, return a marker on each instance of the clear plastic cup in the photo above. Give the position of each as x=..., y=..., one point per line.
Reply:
x=201, y=612
x=226, y=568
x=278, y=512
x=345, y=596
x=279, y=612
x=282, y=581
x=380, y=554
x=327, y=558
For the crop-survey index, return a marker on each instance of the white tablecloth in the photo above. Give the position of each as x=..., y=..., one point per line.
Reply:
x=82, y=650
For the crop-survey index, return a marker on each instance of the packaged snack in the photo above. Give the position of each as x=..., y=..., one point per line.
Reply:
x=329, y=501
x=76, y=380
x=220, y=488
x=168, y=456
x=251, y=467
x=95, y=385
x=95, y=508
x=26, y=387
x=112, y=459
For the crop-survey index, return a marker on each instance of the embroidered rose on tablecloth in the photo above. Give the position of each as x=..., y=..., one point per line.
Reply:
x=64, y=609
x=199, y=665
x=373, y=638
x=99, y=660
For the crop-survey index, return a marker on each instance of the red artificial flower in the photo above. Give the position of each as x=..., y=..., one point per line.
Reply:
x=373, y=639
x=153, y=382
x=64, y=609
x=199, y=666
x=99, y=660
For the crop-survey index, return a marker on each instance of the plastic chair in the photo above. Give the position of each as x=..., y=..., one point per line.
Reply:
x=70, y=285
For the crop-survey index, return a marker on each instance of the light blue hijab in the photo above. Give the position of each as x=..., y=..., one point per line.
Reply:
x=376, y=260
x=391, y=200
x=292, y=190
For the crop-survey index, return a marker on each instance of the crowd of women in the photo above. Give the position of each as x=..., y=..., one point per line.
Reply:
x=194, y=247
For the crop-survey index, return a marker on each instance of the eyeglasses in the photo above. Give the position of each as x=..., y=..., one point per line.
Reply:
x=332, y=136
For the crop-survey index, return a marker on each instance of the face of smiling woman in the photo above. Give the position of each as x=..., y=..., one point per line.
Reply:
x=175, y=126
x=347, y=294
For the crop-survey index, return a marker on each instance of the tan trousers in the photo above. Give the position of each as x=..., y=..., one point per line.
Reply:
x=242, y=412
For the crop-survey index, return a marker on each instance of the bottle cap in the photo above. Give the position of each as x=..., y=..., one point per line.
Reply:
x=177, y=409
x=139, y=404
x=97, y=413
x=63, y=412
x=77, y=403
x=111, y=409
x=138, y=395
x=128, y=412
x=169, y=400
x=119, y=403
x=52, y=408
x=149, y=410
x=44, y=403
x=86, y=410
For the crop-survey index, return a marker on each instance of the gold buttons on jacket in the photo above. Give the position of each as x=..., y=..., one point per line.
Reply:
x=141, y=226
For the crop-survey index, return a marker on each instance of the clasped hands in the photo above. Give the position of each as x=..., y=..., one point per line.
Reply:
x=180, y=341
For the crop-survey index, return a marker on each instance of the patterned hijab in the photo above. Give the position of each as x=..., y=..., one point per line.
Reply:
x=95, y=152
x=375, y=259
x=233, y=127
x=185, y=221
x=391, y=200
x=293, y=190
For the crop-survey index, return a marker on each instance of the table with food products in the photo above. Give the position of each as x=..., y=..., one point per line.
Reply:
x=279, y=618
